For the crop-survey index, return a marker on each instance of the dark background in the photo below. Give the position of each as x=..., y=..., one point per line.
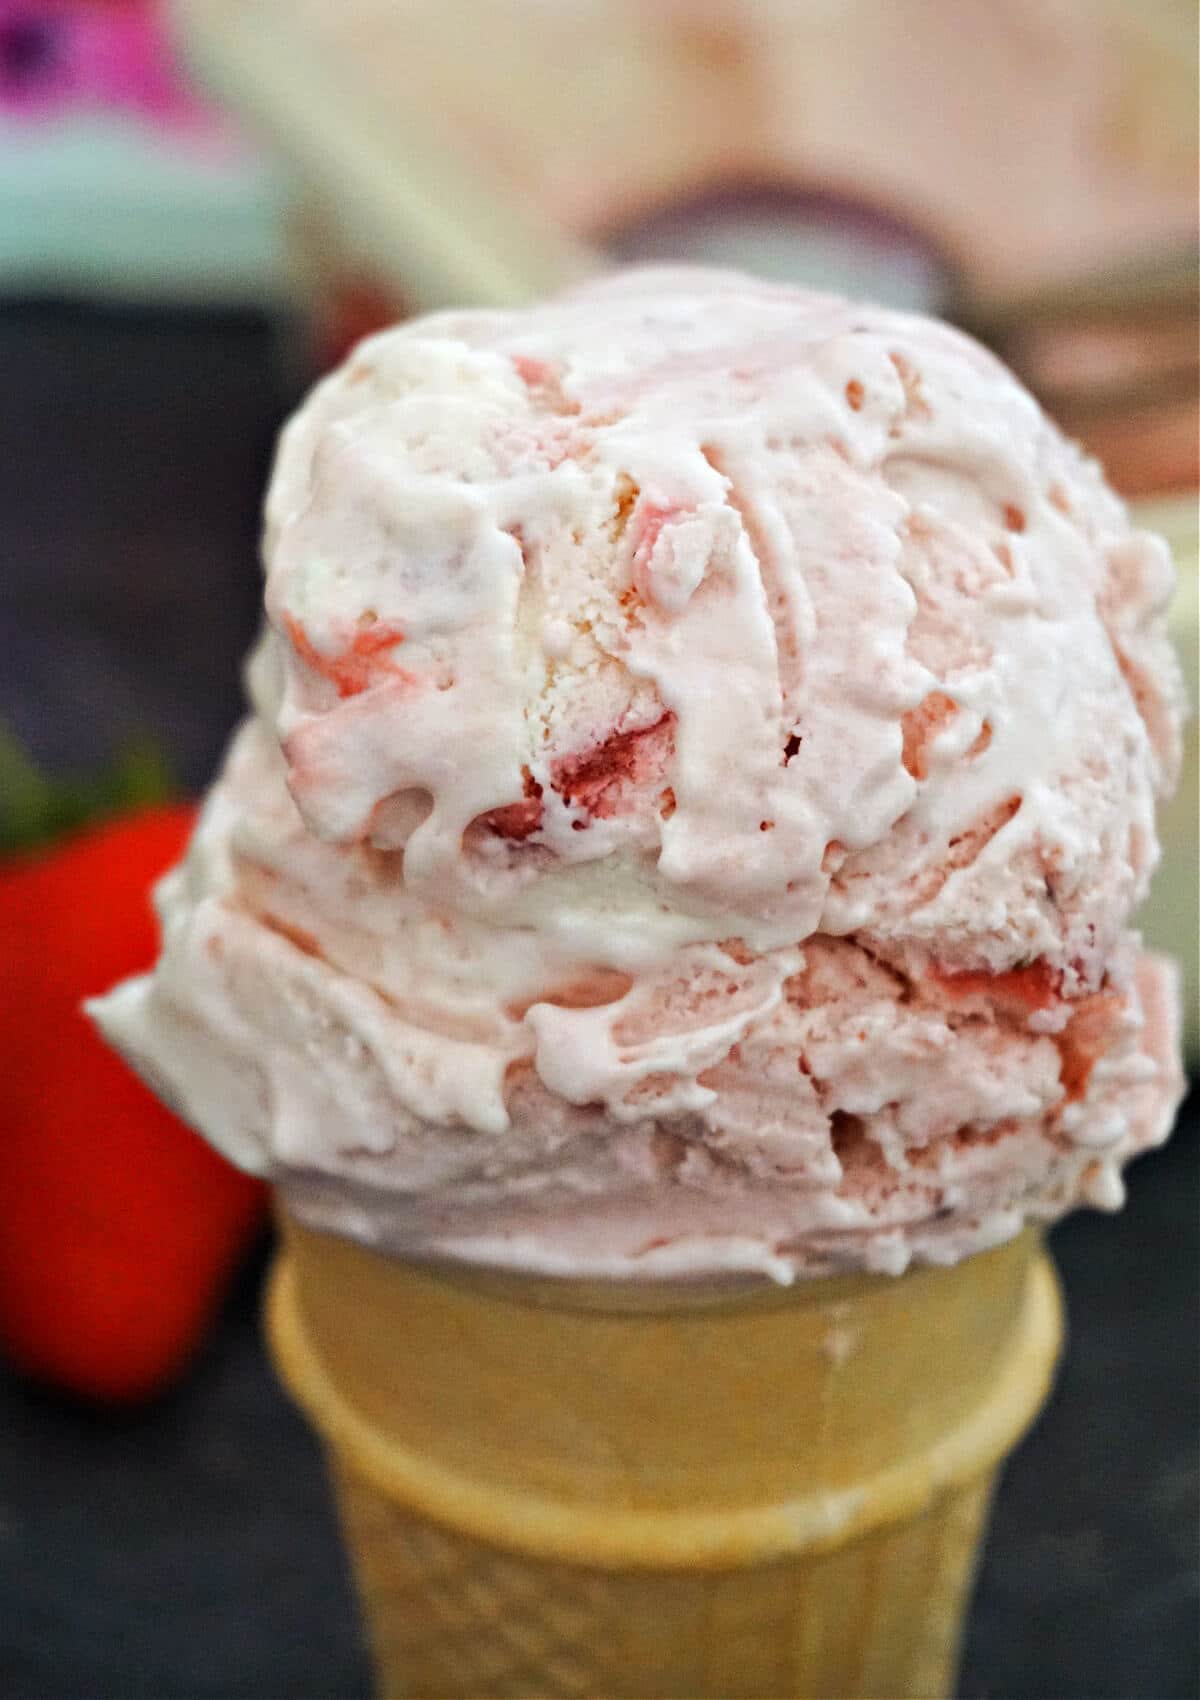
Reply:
x=189, y=1551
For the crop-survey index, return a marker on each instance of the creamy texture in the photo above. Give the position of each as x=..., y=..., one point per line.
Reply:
x=703, y=760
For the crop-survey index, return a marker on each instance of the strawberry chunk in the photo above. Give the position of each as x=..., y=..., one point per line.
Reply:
x=1017, y=991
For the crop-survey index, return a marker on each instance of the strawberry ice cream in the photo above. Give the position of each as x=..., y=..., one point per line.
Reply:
x=703, y=761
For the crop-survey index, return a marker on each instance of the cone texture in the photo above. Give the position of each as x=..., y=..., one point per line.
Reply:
x=565, y=1490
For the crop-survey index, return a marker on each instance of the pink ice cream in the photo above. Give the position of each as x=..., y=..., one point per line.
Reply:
x=703, y=762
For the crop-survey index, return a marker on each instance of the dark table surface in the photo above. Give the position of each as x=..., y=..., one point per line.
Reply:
x=189, y=1550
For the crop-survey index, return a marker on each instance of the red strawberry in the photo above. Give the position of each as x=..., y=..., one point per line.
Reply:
x=119, y=1227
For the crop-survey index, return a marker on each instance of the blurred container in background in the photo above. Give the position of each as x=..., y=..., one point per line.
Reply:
x=1020, y=146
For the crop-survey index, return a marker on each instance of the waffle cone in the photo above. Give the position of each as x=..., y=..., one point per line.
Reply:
x=563, y=1488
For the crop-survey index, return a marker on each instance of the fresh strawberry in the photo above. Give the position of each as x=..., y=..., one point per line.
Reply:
x=119, y=1227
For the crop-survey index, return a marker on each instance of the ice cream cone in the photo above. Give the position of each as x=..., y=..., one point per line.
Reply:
x=570, y=1488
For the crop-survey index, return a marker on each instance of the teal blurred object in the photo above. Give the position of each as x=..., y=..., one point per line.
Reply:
x=116, y=177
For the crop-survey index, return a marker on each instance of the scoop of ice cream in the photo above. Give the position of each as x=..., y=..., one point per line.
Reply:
x=703, y=761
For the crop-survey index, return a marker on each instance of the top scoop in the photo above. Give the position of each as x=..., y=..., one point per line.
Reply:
x=703, y=762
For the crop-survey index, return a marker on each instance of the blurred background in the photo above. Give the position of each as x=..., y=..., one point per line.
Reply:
x=202, y=206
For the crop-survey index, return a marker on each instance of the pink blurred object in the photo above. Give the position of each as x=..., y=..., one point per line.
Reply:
x=58, y=56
